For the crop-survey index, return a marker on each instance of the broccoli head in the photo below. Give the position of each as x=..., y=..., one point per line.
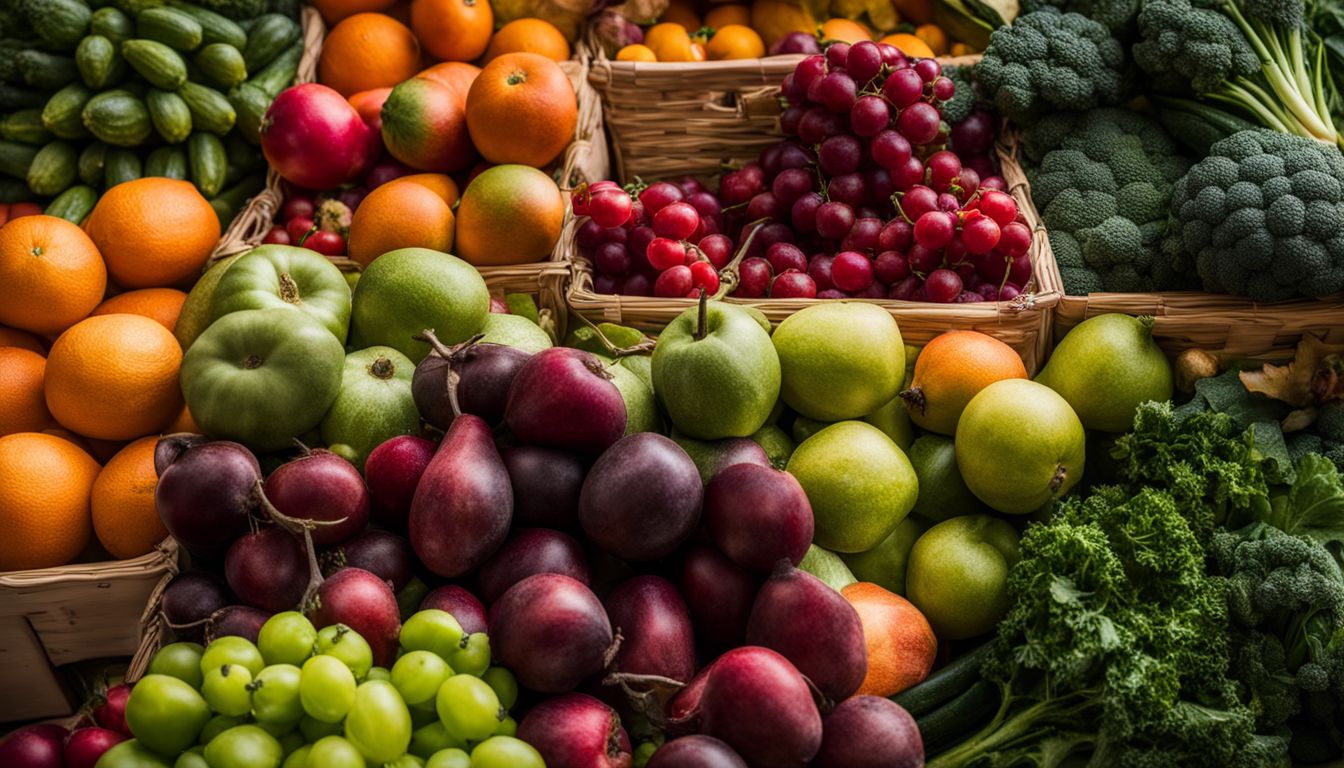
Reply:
x=1189, y=48
x=1048, y=61
x=1262, y=217
x=962, y=103
x=1114, y=14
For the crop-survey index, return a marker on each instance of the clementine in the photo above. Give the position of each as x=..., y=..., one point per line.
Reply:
x=636, y=52
x=44, y=501
x=440, y=184
x=910, y=45
x=518, y=84
x=669, y=42
x=122, y=502
x=184, y=422
x=453, y=30
x=22, y=405
x=951, y=370
x=400, y=214
x=367, y=51
x=530, y=35
x=934, y=37
x=334, y=11
x=721, y=16
x=901, y=644
x=735, y=41
x=153, y=232
x=682, y=12
x=51, y=275
x=457, y=75
x=510, y=214
x=160, y=304
x=12, y=337
x=845, y=31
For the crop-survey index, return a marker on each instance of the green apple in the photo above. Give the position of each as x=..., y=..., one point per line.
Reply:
x=827, y=566
x=641, y=411
x=942, y=492
x=885, y=564
x=405, y=291
x=840, y=360
x=716, y=372
x=515, y=331
x=374, y=404
x=894, y=420
x=958, y=574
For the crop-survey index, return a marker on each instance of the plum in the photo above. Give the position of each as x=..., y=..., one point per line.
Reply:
x=760, y=705
x=546, y=486
x=486, y=371
x=530, y=551
x=696, y=751
x=365, y=603
x=564, y=398
x=325, y=488
x=84, y=746
x=268, y=569
x=34, y=746
x=462, y=604
x=206, y=491
x=110, y=711
x=870, y=732
x=189, y=600
x=641, y=499
x=236, y=620
x=576, y=731
x=382, y=553
x=757, y=515
x=655, y=629
x=719, y=594
x=551, y=631
x=392, y=471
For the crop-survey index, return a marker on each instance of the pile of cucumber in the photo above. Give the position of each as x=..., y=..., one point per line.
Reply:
x=97, y=92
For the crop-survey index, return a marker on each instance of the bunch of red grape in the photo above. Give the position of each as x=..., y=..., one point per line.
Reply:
x=863, y=199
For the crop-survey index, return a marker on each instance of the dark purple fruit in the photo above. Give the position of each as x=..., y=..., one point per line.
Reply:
x=486, y=370
x=576, y=731
x=206, y=491
x=365, y=603
x=268, y=569
x=546, y=486
x=392, y=471
x=641, y=499
x=382, y=553
x=189, y=600
x=719, y=594
x=527, y=552
x=236, y=621
x=869, y=732
x=551, y=631
x=759, y=704
x=325, y=488
x=757, y=516
x=563, y=398
x=655, y=629
x=696, y=751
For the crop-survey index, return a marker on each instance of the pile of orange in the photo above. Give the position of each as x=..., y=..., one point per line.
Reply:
x=89, y=368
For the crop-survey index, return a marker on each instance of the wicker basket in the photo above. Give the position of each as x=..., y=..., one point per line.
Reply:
x=57, y=616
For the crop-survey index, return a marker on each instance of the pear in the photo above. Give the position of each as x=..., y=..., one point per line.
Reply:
x=942, y=491
x=1106, y=367
x=885, y=564
x=1019, y=446
x=803, y=428
x=894, y=421
x=827, y=566
x=777, y=444
x=641, y=410
x=840, y=360
x=860, y=484
x=515, y=331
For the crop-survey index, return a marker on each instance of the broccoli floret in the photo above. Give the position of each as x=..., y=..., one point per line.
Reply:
x=1330, y=422
x=1048, y=61
x=1260, y=215
x=962, y=103
x=1301, y=443
x=1114, y=14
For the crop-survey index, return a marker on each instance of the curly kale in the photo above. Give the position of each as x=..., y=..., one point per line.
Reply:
x=1262, y=216
x=1047, y=61
x=1115, y=15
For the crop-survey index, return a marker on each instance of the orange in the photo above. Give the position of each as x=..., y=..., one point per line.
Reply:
x=682, y=12
x=153, y=232
x=114, y=377
x=22, y=405
x=51, y=275
x=522, y=84
x=910, y=45
x=160, y=304
x=530, y=35
x=721, y=16
x=44, y=501
x=367, y=51
x=901, y=644
x=400, y=214
x=510, y=214
x=773, y=19
x=122, y=502
x=636, y=52
x=334, y=11
x=735, y=41
x=453, y=30
x=669, y=42
x=184, y=422
x=934, y=37
x=369, y=105
x=951, y=370
x=698, y=52
x=962, y=49
x=844, y=30
x=457, y=75
x=10, y=337
x=439, y=183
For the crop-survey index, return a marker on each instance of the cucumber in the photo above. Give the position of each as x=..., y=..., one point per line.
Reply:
x=156, y=62
x=25, y=126
x=16, y=159
x=170, y=162
x=74, y=204
x=118, y=118
x=54, y=168
x=9, y=69
x=14, y=191
x=112, y=24
x=210, y=110
x=269, y=37
x=171, y=27
x=63, y=113
x=46, y=71
x=279, y=74
x=250, y=104
x=214, y=27
x=209, y=162
x=121, y=165
x=170, y=115
x=289, y=8
x=222, y=65
x=137, y=7
x=13, y=24
x=231, y=201
x=58, y=23
x=944, y=685
x=100, y=66
x=91, y=162
x=243, y=158
x=15, y=97
x=959, y=718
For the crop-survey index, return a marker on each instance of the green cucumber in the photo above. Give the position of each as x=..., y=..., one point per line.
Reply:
x=121, y=165
x=157, y=63
x=91, y=162
x=269, y=37
x=9, y=69
x=170, y=115
x=112, y=24
x=288, y=8
x=946, y=684
x=63, y=113
x=231, y=201
x=46, y=71
x=74, y=204
x=13, y=24
x=137, y=7
x=15, y=97
x=58, y=23
x=171, y=27
x=243, y=157
x=54, y=168
x=118, y=118
x=16, y=159
x=209, y=162
x=100, y=65
x=959, y=718
x=25, y=126
x=250, y=104
x=214, y=27
x=222, y=65
x=170, y=162
x=210, y=110
x=279, y=74
x=14, y=191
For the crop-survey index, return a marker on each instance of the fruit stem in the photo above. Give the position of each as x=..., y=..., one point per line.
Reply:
x=1147, y=322
x=702, y=318
x=1058, y=479
x=728, y=274
x=644, y=347
x=295, y=526
x=382, y=368
x=453, y=355
x=914, y=397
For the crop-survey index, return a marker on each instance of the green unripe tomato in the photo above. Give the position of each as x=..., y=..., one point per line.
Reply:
x=505, y=752
x=166, y=714
x=275, y=695
x=314, y=729
x=449, y=758
x=244, y=746
x=432, y=738
x=418, y=675
x=432, y=630
x=192, y=758
x=345, y=644
x=326, y=689
x=298, y=758
x=468, y=708
x=287, y=638
x=472, y=655
x=131, y=754
x=379, y=673
x=226, y=689
x=232, y=650
x=379, y=725
x=504, y=684
x=180, y=660
x=219, y=724
x=287, y=278
x=335, y=752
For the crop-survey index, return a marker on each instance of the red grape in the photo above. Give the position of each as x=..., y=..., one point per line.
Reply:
x=863, y=60
x=706, y=204
x=1009, y=292
x=875, y=290
x=298, y=228
x=974, y=135
x=639, y=217
x=943, y=168
x=998, y=206
x=703, y=275
x=764, y=206
x=863, y=235
x=834, y=220
x=612, y=259
x=851, y=271
x=969, y=297
x=1014, y=239
x=793, y=285
x=904, y=290
x=935, y=229
x=606, y=283
x=832, y=293
x=790, y=155
x=994, y=182
x=908, y=175
x=297, y=208
x=804, y=213
x=969, y=181
x=837, y=54
x=903, y=88
x=892, y=56
x=615, y=235
x=718, y=249
x=923, y=260
x=771, y=233
x=610, y=207
x=942, y=286
x=665, y=254
x=277, y=236
x=789, y=120
x=808, y=70
x=848, y=188
x=917, y=201
x=638, y=284
x=1019, y=271
x=966, y=271
x=979, y=234
x=988, y=290
x=955, y=253
x=836, y=91
x=791, y=184
x=868, y=116
x=890, y=150
x=638, y=241
x=786, y=256
x=944, y=88
x=817, y=124
x=839, y=155
x=819, y=269
x=676, y=221
x=920, y=122
x=890, y=267
x=690, y=185
x=659, y=195
x=753, y=278
x=673, y=282
x=928, y=69
x=736, y=187
x=896, y=235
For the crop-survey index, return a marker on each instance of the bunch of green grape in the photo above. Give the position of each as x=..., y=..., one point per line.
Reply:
x=303, y=698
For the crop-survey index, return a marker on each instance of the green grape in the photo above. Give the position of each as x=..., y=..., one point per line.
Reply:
x=232, y=650
x=132, y=754
x=644, y=753
x=379, y=725
x=504, y=684
x=507, y=727
x=244, y=746
x=298, y=758
x=432, y=630
x=192, y=758
x=449, y=758
x=219, y=724
x=418, y=675
x=287, y=638
x=379, y=673
x=334, y=752
x=469, y=708
x=505, y=752
x=225, y=690
x=180, y=660
x=345, y=644
x=433, y=738
x=275, y=695
x=406, y=761
x=472, y=655
x=326, y=689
